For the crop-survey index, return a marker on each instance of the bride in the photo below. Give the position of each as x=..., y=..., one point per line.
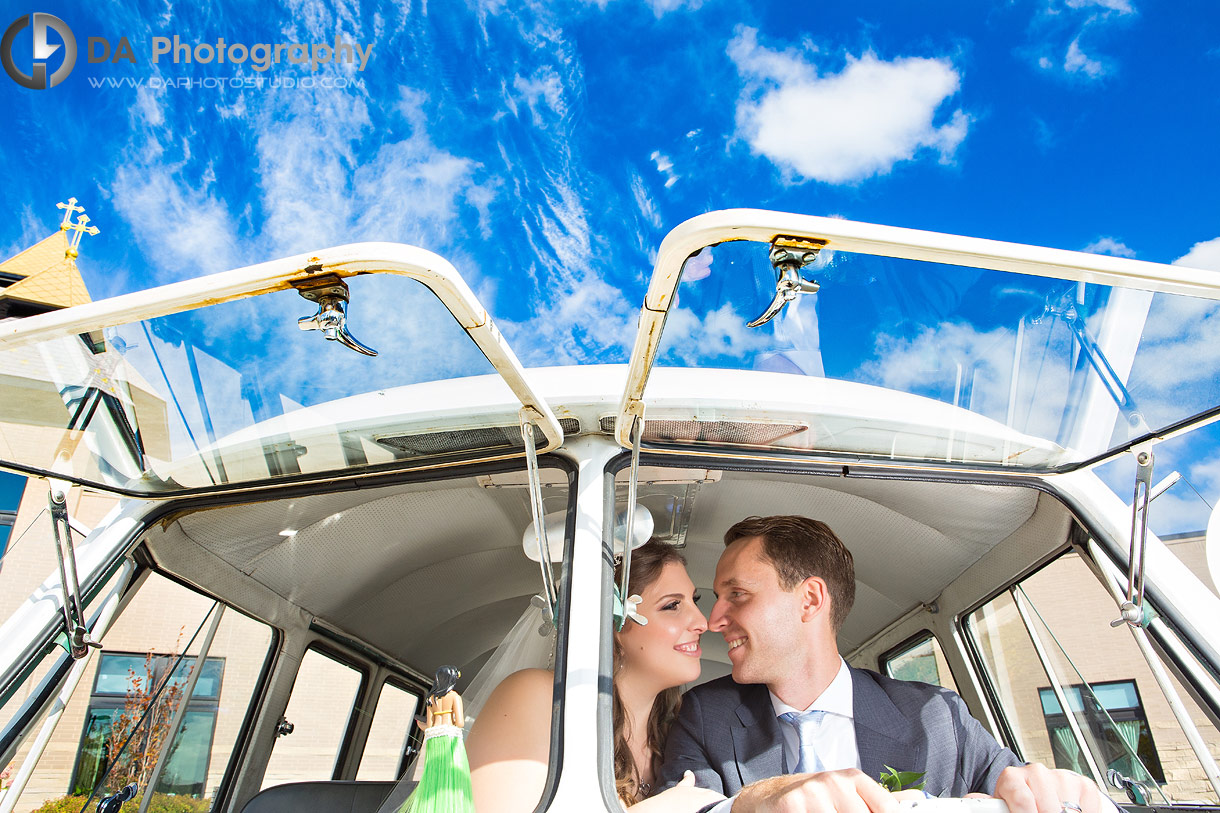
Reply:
x=656, y=651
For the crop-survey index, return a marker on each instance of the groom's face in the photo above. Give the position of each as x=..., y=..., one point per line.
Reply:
x=758, y=618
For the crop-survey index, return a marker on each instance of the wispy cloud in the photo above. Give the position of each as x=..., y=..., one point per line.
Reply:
x=1108, y=245
x=659, y=7
x=1077, y=61
x=168, y=197
x=1064, y=33
x=664, y=166
x=848, y=126
x=1121, y=6
x=545, y=87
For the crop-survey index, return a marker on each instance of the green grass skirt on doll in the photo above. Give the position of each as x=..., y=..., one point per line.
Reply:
x=444, y=786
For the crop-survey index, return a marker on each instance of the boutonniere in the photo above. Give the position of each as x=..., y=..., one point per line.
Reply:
x=894, y=781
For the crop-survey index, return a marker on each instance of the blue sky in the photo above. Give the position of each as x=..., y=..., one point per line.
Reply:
x=546, y=148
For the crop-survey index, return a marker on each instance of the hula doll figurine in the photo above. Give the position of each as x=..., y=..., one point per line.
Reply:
x=444, y=786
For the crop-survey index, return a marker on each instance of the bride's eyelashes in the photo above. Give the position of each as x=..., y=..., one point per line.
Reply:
x=676, y=603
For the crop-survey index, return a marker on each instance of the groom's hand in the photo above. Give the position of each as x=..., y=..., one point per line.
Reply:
x=849, y=791
x=1036, y=788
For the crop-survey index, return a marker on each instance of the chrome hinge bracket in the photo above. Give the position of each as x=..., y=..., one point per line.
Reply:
x=1132, y=611
x=788, y=256
x=330, y=292
x=76, y=633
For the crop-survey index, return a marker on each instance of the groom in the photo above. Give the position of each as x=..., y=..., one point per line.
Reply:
x=783, y=587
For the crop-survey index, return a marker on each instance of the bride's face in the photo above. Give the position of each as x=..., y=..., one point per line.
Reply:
x=665, y=651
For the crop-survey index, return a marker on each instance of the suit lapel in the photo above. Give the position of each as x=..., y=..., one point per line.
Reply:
x=884, y=735
x=758, y=744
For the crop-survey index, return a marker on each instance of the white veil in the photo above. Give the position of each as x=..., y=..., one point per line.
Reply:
x=530, y=644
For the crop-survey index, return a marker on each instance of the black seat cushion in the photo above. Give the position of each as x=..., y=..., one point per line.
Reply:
x=326, y=797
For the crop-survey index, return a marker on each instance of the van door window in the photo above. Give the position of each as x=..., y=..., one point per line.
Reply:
x=920, y=659
x=387, y=741
x=122, y=682
x=1047, y=645
x=120, y=720
x=320, y=711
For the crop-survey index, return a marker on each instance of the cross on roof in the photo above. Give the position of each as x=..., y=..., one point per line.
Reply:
x=71, y=208
x=81, y=226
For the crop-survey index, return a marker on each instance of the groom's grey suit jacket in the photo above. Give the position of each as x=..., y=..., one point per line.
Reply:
x=728, y=736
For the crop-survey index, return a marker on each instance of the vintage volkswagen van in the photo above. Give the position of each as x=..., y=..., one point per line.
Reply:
x=249, y=547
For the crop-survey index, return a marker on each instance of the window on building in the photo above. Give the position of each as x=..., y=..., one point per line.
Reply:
x=1112, y=710
x=920, y=659
x=6, y=529
x=11, y=488
x=123, y=689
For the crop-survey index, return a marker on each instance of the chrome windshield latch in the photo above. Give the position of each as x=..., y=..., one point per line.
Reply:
x=1131, y=611
x=330, y=292
x=75, y=631
x=788, y=256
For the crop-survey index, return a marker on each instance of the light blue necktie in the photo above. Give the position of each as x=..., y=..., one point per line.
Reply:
x=806, y=724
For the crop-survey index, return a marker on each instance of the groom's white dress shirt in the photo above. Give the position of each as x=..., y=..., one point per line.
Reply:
x=836, y=745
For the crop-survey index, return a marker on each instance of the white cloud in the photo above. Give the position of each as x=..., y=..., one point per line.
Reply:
x=663, y=7
x=644, y=202
x=665, y=166
x=184, y=231
x=955, y=360
x=1060, y=30
x=1205, y=255
x=849, y=126
x=1108, y=245
x=1174, y=374
x=1121, y=6
x=659, y=7
x=721, y=332
x=545, y=86
x=1077, y=61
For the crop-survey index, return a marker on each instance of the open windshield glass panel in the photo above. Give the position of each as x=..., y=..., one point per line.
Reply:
x=972, y=366
x=239, y=393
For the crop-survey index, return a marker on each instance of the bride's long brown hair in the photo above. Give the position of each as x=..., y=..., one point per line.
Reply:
x=647, y=561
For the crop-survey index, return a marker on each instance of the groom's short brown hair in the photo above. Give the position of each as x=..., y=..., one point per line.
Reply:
x=799, y=547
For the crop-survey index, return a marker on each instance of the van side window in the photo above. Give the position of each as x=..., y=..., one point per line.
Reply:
x=920, y=659
x=387, y=741
x=1077, y=693
x=320, y=711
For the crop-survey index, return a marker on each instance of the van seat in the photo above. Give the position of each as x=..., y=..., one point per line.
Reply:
x=326, y=797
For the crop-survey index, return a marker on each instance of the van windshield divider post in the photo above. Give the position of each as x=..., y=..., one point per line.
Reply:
x=1018, y=597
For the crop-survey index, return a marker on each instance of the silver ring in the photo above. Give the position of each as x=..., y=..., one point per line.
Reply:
x=1070, y=807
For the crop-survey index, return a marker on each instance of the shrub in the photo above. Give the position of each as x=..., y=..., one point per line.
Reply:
x=161, y=803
